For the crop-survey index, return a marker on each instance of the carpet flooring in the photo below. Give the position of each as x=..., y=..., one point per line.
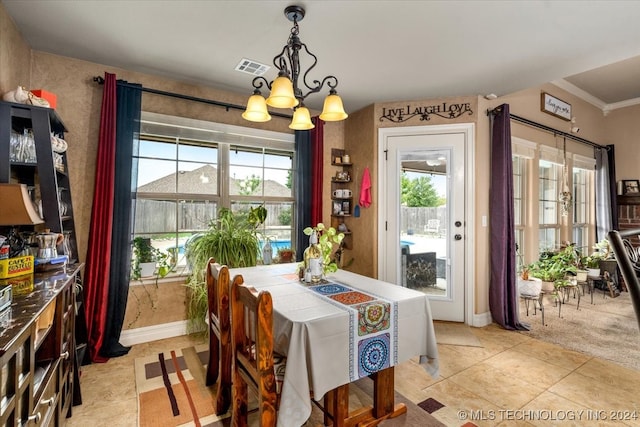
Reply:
x=172, y=392
x=607, y=329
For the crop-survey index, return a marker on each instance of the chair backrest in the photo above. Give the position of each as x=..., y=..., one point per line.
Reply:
x=252, y=348
x=625, y=255
x=219, y=320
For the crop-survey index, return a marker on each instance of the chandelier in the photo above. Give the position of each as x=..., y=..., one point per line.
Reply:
x=286, y=89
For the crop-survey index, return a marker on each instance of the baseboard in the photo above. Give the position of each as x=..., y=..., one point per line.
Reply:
x=482, y=319
x=130, y=337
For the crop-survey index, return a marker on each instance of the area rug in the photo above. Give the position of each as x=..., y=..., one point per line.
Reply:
x=172, y=393
x=606, y=329
x=452, y=333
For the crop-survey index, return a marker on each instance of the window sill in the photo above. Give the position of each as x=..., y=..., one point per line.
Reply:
x=169, y=278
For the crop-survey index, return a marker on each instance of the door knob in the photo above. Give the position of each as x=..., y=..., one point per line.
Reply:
x=457, y=224
x=457, y=237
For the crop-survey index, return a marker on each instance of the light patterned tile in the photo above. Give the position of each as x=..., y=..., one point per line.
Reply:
x=549, y=409
x=605, y=372
x=461, y=405
x=528, y=368
x=552, y=353
x=497, y=386
x=596, y=395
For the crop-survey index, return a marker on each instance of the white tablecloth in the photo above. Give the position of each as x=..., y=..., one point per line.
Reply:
x=314, y=334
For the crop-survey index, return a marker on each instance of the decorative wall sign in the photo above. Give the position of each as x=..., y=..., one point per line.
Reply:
x=554, y=106
x=444, y=110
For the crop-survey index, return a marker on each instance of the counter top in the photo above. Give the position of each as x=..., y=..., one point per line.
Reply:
x=26, y=307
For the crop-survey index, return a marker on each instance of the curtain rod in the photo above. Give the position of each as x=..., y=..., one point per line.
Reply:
x=547, y=128
x=227, y=106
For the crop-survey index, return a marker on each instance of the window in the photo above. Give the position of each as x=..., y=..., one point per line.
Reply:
x=188, y=169
x=520, y=199
x=548, y=205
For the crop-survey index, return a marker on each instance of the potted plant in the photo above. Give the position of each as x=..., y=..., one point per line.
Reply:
x=233, y=240
x=528, y=285
x=601, y=259
x=328, y=237
x=143, y=263
x=146, y=258
x=553, y=266
x=285, y=255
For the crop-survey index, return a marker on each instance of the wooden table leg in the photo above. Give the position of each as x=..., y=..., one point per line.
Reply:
x=336, y=404
x=384, y=396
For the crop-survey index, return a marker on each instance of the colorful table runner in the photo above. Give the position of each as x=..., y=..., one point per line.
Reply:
x=373, y=344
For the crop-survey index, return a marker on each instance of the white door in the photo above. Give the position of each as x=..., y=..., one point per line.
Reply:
x=422, y=247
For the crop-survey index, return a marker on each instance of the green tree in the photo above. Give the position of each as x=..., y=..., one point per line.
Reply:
x=249, y=185
x=288, y=183
x=419, y=192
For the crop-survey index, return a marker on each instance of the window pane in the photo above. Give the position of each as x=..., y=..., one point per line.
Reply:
x=205, y=153
x=246, y=156
x=197, y=178
x=547, y=239
x=155, y=216
x=156, y=176
x=195, y=215
x=245, y=181
x=156, y=149
x=277, y=183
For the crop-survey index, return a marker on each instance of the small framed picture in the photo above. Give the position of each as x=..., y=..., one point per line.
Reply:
x=555, y=106
x=631, y=186
x=337, y=208
x=345, y=207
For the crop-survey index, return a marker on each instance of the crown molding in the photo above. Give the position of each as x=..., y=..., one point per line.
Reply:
x=597, y=102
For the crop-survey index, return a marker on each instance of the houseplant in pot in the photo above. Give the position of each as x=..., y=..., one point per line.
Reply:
x=327, y=241
x=285, y=255
x=233, y=240
x=553, y=266
x=143, y=263
x=528, y=285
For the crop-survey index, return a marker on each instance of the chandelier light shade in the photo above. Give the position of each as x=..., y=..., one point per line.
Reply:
x=333, y=111
x=282, y=95
x=291, y=88
x=301, y=119
x=256, y=109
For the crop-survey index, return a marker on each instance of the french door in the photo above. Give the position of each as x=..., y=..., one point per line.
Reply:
x=424, y=242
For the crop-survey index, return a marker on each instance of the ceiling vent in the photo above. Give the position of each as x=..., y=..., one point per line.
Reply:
x=251, y=67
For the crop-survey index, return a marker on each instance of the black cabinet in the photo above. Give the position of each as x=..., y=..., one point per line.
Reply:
x=37, y=165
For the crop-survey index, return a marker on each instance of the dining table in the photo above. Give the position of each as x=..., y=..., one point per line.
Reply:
x=339, y=330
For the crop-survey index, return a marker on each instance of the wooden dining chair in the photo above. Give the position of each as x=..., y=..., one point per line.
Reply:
x=253, y=356
x=219, y=319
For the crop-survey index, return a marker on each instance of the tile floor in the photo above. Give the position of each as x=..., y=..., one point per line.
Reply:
x=513, y=380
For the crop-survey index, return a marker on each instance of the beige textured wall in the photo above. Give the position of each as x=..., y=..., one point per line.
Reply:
x=360, y=143
x=15, y=56
x=623, y=130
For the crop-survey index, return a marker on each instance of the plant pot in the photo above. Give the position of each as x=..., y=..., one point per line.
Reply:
x=285, y=258
x=593, y=272
x=548, y=286
x=147, y=269
x=581, y=275
x=530, y=287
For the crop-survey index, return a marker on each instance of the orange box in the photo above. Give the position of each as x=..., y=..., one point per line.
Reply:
x=51, y=97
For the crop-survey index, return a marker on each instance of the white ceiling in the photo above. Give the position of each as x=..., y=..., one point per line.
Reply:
x=379, y=50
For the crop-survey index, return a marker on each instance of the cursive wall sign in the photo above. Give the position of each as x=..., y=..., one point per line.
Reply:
x=444, y=110
x=554, y=106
